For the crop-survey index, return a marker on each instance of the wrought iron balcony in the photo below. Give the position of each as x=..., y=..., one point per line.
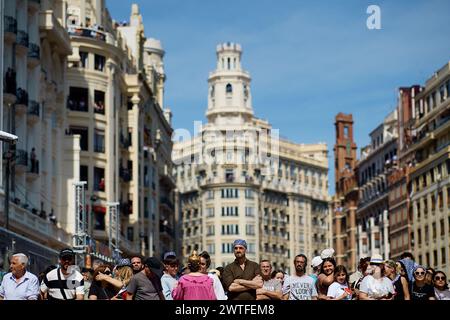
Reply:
x=10, y=24
x=33, y=108
x=125, y=174
x=22, y=38
x=21, y=157
x=22, y=96
x=34, y=51
x=167, y=202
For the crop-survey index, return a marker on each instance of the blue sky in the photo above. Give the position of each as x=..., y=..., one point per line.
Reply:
x=309, y=60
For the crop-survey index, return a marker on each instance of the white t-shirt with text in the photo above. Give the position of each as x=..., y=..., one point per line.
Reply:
x=299, y=288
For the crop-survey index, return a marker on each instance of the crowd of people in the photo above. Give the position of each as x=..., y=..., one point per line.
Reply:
x=137, y=278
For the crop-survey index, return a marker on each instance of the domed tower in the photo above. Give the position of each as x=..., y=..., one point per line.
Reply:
x=154, y=65
x=229, y=97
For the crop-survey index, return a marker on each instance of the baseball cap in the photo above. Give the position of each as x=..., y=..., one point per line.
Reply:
x=66, y=252
x=168, y=254
x=316, y=261
x=123, y=263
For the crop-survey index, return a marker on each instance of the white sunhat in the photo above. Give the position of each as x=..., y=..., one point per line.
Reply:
x=316, y=261
x=327, y=253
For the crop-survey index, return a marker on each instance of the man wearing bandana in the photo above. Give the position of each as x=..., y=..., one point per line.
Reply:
x=242, y=277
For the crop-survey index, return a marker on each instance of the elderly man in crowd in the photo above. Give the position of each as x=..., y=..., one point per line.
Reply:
x=19, y=284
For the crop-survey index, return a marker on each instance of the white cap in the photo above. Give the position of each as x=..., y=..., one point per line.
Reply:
x=316, y=261
x=327, y=253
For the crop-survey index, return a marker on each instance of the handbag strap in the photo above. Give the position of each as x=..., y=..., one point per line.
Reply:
x=60, y=284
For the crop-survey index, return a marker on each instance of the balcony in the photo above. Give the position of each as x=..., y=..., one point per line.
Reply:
x=22, y=42
x=33, y=170
x=22, y=101
x=166, y=230
x=33, y=112
x=10, y=87
x=126, y=208
x=125, y=175
x=124, y=142
x=34, y=55
x=99, y=107
x=10, y=25
x=21, y=160
x=166, y=201
x=95, y=33
x=55, y=32
x=77, y=105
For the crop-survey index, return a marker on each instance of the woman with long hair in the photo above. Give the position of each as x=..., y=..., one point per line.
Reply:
x=123, y=273
x=103, y=286
x=399, y=281
x=195, y=285
x=339, y=289
x=326, y=277
x=441, y=291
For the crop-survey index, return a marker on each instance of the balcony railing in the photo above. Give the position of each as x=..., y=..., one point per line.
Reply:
x=99, y=147
x=127, y=208
x=126, y=143
x=86, y=32
x=34, y=51
x=125, y=174
x=166, y=229
x=22, y=38
x=21, y=157
x=167, y=202
x=33, y=108
x=99, y=107
x=77, y=105
x=22, y=96
x=10, y=24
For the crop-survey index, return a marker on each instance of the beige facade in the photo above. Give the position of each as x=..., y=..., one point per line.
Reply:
x=429, y=177
x=238, y=179
x=36, y=47
x=125, y=134
x=93, y=114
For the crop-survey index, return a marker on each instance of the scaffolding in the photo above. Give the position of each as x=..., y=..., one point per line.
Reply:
x=80, y=236
x=114, y=229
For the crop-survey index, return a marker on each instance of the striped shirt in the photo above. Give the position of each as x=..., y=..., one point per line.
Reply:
x=72, y=284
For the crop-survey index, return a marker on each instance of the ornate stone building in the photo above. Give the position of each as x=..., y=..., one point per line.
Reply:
x=238, y=179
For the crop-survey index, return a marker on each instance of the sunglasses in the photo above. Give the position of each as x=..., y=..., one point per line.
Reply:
x=67, y=258
x=419, y=273
x=439, y=278
x=107, y=272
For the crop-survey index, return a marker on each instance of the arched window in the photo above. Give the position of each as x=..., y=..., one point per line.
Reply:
x=229, y=63
x=229, y=88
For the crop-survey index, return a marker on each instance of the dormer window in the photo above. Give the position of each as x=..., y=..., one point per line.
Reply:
x=229, y=89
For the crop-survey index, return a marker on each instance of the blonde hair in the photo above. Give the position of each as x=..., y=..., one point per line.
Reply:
x=124, y=274
x=194, y=262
